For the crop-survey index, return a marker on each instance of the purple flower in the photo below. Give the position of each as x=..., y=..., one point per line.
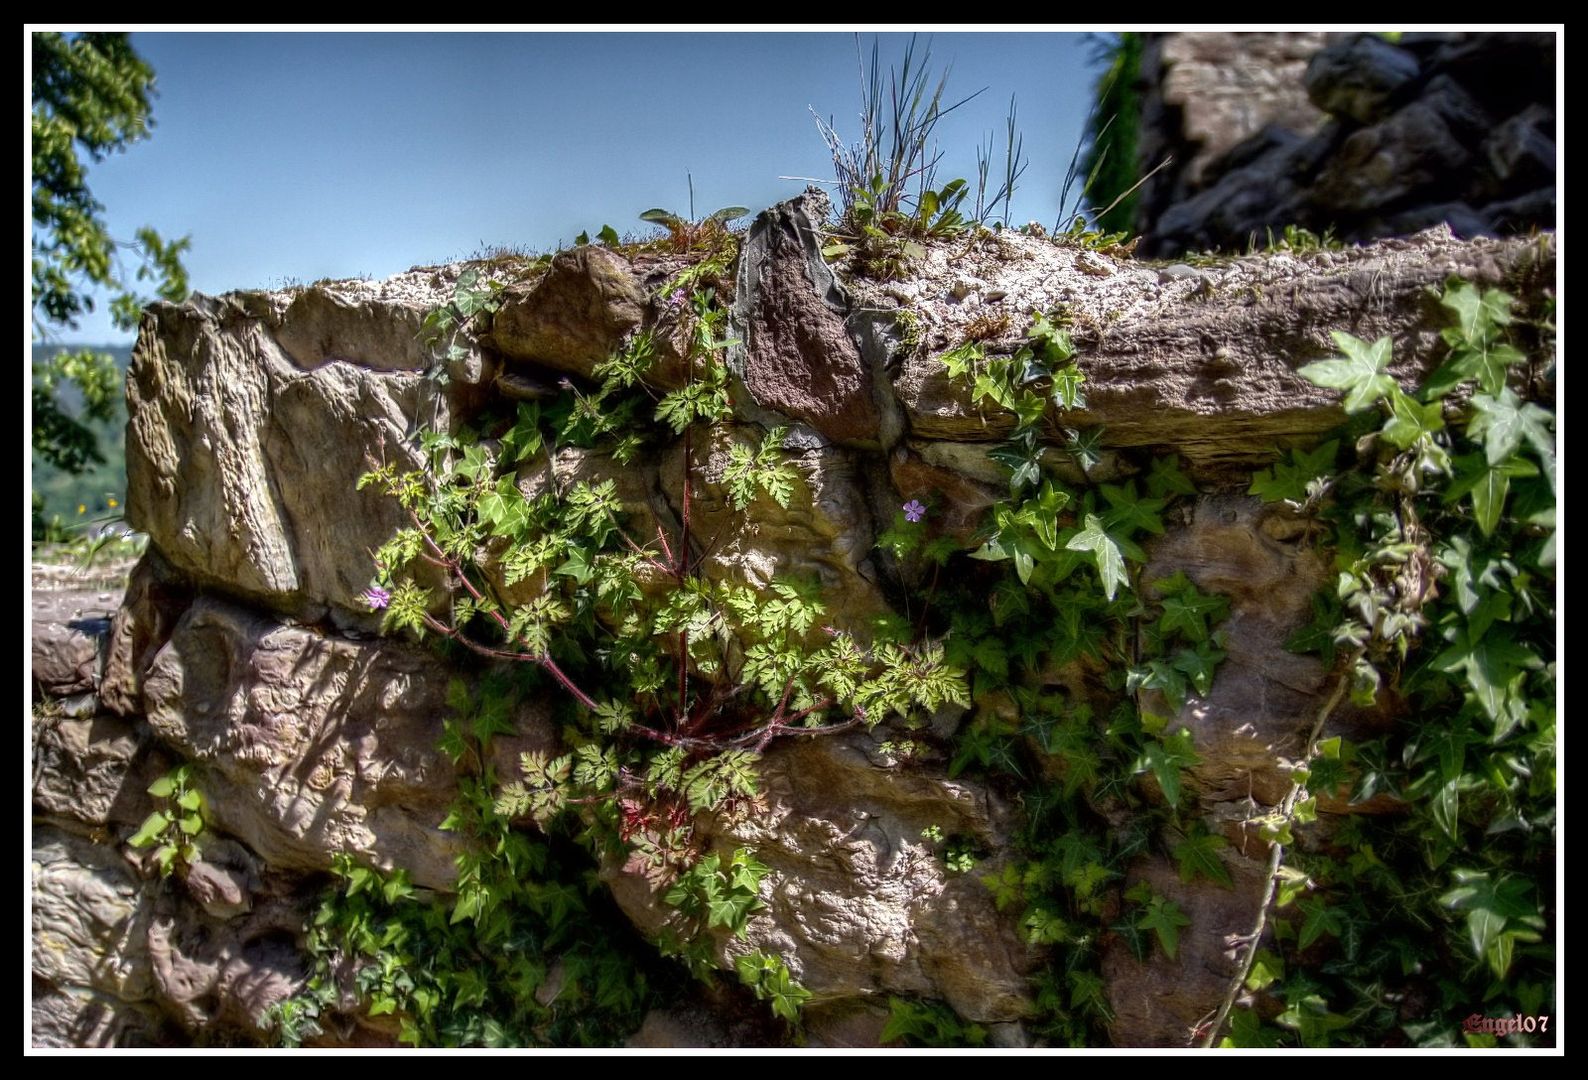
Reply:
x=677, y=300
x=376, y=597
x=913, y=511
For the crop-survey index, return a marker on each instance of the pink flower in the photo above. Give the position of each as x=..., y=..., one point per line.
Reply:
x=376, y=597
x=913, y=511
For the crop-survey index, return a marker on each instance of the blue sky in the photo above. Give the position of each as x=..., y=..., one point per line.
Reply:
x=297, y=156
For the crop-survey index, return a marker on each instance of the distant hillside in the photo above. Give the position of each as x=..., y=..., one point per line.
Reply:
x=94, y=489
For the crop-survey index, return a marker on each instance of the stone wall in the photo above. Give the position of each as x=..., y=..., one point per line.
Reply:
x=242, y=646
x=1348, y=132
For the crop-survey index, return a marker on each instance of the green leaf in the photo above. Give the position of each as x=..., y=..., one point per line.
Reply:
x=1067, y=383
x=1248, y=1030
x=1489, y=664
x=152, y=829
x=1502, y=422
x=1289, y=480
x=1410, y=420
x=1362, y=372
x=1165, y=478
x=1488, y=486
x=1127, y=513
x=1165, y=919
x=1319, y=919
x=1266, y=969
x=608, y=236
x=1105, y=552
x=1198, y=854
x=1490, y=904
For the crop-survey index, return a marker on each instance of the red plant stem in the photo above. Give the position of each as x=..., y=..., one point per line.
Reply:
x=777, y=715
x=546, y=662
x=543, y=659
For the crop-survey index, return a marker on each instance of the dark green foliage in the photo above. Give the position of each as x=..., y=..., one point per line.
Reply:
x=90, y=96
x=1443, y=528
x=928, y=1023
x=1112, y=163
x=1057, y=591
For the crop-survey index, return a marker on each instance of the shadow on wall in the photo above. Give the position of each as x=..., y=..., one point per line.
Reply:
x=1358, y=133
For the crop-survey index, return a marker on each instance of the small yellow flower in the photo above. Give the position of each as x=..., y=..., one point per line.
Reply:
x=114, y=504
x=81, y=509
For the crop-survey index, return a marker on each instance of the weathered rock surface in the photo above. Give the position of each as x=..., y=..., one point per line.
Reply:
x=1161, y=1002
x=1425, y=131
x=824, y=535
x=237, y=444
x=311, y=745
x=121, y=960
x=857, y=903
x=1205, y=93
x=1359, y=77
x=69, y=634
x=1162, y=361
x=575, y=315
x=93, y=770
x=797, y=356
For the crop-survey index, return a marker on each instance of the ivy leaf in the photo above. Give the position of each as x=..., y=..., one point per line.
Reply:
x=1199, y=663
x=1130, y=513
x=1024, y=464
x=1248, y=1030
x=1187, y=610
x=1361, y=372
x=1476, y=313
x=1319, y=919
x=1198, y=854
x=1164, y=918
x=1488, y=486
x=1490, y=904
x=1489, y=663
x=1266, y=970
x=1410, y=420
x=1067, y=388
x=1500, y=423
x=1086, y=448
x=1105, y=552
x=1165, y=758
x=1288, y=480
x=1165, y=479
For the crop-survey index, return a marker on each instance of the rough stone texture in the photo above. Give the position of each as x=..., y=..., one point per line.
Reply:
x=857, y=904
x=120, y=959
x=1205, y=93
x=573, y=316
x=798, y=358
x=1160, y=1002
x=93, y=770
x=236, y=446
x=1412, y=152
x=90, y=921
x=69, y=633
x=1420, y=133
x=1162, y=362
x=155, y=599
x=77, y=1016
x=311, y=745
x=1359, y=77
